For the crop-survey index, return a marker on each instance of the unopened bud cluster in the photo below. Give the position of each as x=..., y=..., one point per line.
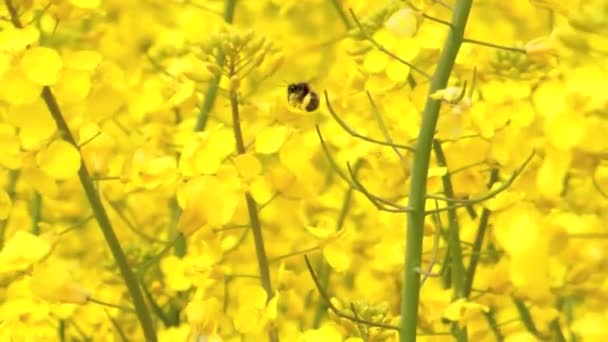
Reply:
x=242, y=53
x=373, y=22
x=518, y=65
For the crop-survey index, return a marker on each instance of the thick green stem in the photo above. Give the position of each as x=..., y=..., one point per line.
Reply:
x=414, y=234
x=209, y=101
x=254, y=219
x=103, y=220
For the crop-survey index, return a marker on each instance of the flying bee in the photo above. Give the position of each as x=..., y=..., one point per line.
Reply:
x=301, y=95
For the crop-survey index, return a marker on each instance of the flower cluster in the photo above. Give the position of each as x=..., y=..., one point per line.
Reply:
x=158, y=184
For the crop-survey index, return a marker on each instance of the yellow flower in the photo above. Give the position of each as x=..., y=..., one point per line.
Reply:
x=53, y=282
x=203, y=316
x=42, y=65
x=462, y=311
x=254, y=311
x=60, y=160
x=327, y=333
x=21, y=251
x=201, y=205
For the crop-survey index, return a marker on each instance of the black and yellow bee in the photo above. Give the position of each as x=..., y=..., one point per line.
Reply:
x=302, y=96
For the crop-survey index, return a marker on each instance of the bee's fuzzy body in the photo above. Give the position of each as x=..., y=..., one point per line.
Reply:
x=301, y=95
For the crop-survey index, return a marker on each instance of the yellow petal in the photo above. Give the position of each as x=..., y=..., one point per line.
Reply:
x=247, y=165
x=53, y=282
x=36, y=126
x=21, y=251
x=551, y=174
x=375, y=61
x=42, y=65
x=39, y=180
x=84, y=60
x=73, y=86
x=14, y=39
x=402, y=23
x=85, y=3
x=174, y=272
x=261, y=190
x=22, y=91
x=270, y=139
x=327, y=333
x=203, y=315
x=59, y=160
x=337, y=256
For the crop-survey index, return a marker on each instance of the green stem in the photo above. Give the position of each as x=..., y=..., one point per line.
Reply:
x=36, y=212
x=525, y=316
x=341, y=13
x=254, y=219
x=104, y=223
x=13, y=176
x=478, y=243
x=61, y=330
x=458, y=274
x=325, y=270
x=210, y=96
x=414, y=231
x=494, y=328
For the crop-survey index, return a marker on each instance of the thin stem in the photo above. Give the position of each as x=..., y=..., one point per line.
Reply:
x=525, y=316
x=325, y=270
x=558, y=335
x=341, y=13
x=492, y=45
x=489, y=194
x=494, y=326
x=414, y=232
x=254, y=219
x=36, y=212
x=457, y=267
x=431, y=18
x=434, y=250
x=597, y=186
x=382, y=49
x=384, y=129
x=292, y=254
x=155, y=307
x=210, y=96
x=120, y=332
x=13, y=176
x=380, y=203
x=477, y=244
x=453, y=228
x=337, y=311
x=110, y=305
x=355, y=134
x=132, y=227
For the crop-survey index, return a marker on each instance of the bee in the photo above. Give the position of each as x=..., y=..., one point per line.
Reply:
x=301, y=95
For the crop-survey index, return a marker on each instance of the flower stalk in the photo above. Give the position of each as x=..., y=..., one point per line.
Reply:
x=415, y=223
x=254, y=219
x=211, y=94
